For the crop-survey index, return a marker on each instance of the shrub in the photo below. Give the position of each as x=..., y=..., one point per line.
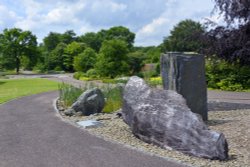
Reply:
x=77, y=75
x=85, y=79
x=68, y=94
x=92, y=73
x=113, y=96
x=85, y=61
x=154, y=81
x=225, y=76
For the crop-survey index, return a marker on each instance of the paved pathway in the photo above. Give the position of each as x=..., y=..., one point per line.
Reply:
x=31, y=135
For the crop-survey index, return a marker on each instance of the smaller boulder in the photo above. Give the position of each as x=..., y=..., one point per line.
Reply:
x=90, y=102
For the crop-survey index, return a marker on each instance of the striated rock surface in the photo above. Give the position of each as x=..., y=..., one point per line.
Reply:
x=90, y=102
x=162, y=117
x=185, y=74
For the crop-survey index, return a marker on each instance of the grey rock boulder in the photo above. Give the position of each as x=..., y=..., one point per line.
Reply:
x=90, y=102
x=161, y=117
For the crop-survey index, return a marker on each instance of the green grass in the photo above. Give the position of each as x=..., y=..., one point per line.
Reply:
x=68, y=94
x=14, y=88
x=112, y=95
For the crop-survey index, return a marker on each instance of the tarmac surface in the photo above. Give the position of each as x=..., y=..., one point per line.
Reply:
x=32, y=135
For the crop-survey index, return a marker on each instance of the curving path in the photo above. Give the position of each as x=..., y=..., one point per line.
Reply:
x=31, y=135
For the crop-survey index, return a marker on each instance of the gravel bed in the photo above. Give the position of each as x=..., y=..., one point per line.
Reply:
x=234, y=124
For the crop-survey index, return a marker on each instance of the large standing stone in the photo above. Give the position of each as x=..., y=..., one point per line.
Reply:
x=90, y=102
x=162, y=117
x=185, y=73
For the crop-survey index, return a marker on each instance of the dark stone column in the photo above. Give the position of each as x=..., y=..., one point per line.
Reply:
x=185, y=73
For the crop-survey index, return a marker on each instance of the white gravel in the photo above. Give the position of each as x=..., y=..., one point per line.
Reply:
x=234, y=124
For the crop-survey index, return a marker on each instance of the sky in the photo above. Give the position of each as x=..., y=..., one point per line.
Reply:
x=150, y=20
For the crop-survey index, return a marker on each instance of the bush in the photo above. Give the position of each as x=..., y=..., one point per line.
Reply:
x=68, y=94
x=85, y=79
x=225, y=76
x=39, y=67
x=85, y=61
x=155, y=81
x=113, y=96
x=92, y=73
x=77, y=75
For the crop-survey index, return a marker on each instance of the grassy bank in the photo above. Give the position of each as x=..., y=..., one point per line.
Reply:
x=14, y=88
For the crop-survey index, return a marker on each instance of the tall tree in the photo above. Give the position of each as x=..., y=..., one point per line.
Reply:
x=68, y=37
x=51, y=41
x=113, y=60
x=15, y=44
x=72, y=50
x=185, y=37
x=136, y=61
x=56, y=59
x=121, y=33
x=231, y=42
x=85, y=61
x=92, y=40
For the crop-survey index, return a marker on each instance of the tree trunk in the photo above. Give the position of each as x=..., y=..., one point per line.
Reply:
x=17, y=64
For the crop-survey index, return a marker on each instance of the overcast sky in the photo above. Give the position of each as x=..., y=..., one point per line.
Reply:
x=151, y=20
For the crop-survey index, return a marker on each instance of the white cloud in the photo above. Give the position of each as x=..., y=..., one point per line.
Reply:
x=108, y=5
x=175, y=11
x=150, y=20
x=7, y=17
x=150, y=28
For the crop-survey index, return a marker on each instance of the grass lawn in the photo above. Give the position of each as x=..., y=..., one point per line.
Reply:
x=14, y=88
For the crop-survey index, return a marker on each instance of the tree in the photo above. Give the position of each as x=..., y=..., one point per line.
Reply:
x=85, y=61
x=92, y=40
x=68, y=37
x=72, y=50
x=113, y=60
x=185, y=37
x=121, y=33
x=15, y=44
x=55, y=59
x=136, y=61
x=51, y=41
x=231, y=42
x=153, y=55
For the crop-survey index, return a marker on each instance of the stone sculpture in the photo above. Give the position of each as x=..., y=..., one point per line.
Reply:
x=185, y=74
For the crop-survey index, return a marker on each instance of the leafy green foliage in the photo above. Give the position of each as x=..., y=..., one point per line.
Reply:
x=136, y=61
x=226, y=76
x=121, y=33
x=77, y=75
x=92, y=73
x=51, y=41
x=113, y=98
x=68, y=37
x=85, y=61
x=153, y=55
x=92, y=40
x=55, y=59
x=72, y=50
x=69, y=94
x=113, y=60
x=185, y=37
x=15, y=44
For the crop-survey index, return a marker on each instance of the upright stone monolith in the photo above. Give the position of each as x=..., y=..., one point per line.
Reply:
x=185, y=73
